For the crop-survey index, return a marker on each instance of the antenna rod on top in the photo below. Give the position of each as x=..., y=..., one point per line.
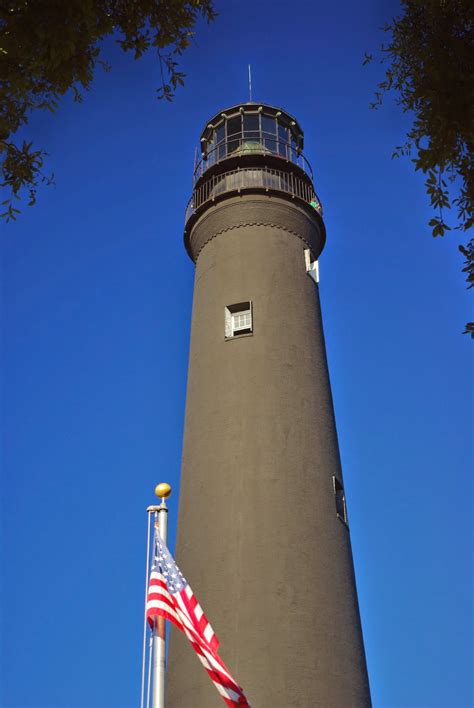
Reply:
x=250, y=84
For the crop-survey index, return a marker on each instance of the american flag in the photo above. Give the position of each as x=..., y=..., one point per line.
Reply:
x=170, y=596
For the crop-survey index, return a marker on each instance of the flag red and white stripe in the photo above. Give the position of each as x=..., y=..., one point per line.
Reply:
x=170, y=596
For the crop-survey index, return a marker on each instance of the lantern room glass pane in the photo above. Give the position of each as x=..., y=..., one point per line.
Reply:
x=219, y=141
x=282, y=140
x=234, y=127
x=293, y=155
x=268, y=124
x=233, y=146
x=220, y=133
x=251, y=121
x=270, y=144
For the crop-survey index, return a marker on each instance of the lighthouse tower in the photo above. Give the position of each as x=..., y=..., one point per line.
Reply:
x=263, y=531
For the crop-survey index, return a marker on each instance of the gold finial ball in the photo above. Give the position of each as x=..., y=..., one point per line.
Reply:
x=163, y=490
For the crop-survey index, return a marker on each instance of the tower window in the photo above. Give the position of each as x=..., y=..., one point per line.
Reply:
x=312, y=265
x=340, y=498
x=238, y=319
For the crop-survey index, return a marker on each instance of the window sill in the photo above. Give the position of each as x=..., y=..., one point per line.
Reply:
x=238, y=336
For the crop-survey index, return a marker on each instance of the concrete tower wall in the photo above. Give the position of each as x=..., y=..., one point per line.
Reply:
x=259, y=539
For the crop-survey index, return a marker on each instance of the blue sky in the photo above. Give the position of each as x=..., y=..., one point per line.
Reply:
x=96, y=304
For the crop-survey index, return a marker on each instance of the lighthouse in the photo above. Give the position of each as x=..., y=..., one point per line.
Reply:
x=263, y=528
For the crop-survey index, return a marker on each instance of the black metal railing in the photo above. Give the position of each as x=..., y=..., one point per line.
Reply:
x=235, y=146
x=253, y=178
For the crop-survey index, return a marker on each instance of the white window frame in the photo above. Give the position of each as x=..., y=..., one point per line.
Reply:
x=241, y=320
x=312, y=265
x=231, y=312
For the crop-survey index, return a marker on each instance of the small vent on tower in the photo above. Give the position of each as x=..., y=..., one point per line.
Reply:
x=340, y=500
x=312, y=265
x=238, y=319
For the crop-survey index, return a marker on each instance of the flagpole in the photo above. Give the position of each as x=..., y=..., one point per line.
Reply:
x=162, y=491
x=147, y=568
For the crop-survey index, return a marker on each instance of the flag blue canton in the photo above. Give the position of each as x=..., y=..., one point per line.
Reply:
x=164, y=563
